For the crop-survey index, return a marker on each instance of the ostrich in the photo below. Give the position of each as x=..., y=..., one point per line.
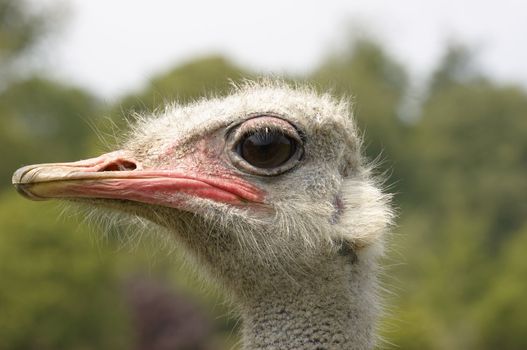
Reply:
x=267, y=192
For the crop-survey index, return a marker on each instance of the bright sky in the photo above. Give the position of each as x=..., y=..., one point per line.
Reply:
x=115, y=46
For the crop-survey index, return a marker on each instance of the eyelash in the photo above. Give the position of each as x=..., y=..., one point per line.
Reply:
x=264, y=136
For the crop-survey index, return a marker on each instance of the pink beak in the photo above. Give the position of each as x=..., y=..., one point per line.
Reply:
x=118, y=176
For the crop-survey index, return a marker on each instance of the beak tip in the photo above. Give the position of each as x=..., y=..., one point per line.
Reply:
x=18, y=176
x=22, y=185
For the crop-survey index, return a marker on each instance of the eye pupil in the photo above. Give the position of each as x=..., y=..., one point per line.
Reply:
x=266, y=149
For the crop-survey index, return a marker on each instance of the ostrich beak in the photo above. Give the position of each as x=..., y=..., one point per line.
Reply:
x=118, y=176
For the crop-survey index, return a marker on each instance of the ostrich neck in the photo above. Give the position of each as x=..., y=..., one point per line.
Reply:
x=334, y=309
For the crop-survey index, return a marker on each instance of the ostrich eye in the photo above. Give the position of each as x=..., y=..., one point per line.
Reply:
x=266, y=149
x=265, y=145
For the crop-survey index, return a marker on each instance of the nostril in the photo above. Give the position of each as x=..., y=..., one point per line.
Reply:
x=119, y=165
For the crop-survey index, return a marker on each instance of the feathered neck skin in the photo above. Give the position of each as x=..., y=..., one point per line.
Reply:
x=294, y=298
x=331, y=310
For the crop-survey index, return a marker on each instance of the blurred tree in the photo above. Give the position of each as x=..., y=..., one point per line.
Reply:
x=467, y=164
x=58, y=291
x=22, y=27
x=377, y=84
x=470, y=146
x=43, y=121
x=502, y=312
x=457, y=67
x=199, y=78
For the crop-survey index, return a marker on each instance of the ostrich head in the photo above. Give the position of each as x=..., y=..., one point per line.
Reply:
x=266, y=189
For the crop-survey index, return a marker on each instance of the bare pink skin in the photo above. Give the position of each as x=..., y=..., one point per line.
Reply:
x=116, y=175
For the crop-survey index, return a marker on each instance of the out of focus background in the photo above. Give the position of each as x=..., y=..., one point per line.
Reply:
x=439, y=89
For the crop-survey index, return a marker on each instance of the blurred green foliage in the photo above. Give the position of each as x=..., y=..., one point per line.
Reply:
x=19, y=28
x=57, y=292
x=44, y=121
x=459, y=168
x=186, y=83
